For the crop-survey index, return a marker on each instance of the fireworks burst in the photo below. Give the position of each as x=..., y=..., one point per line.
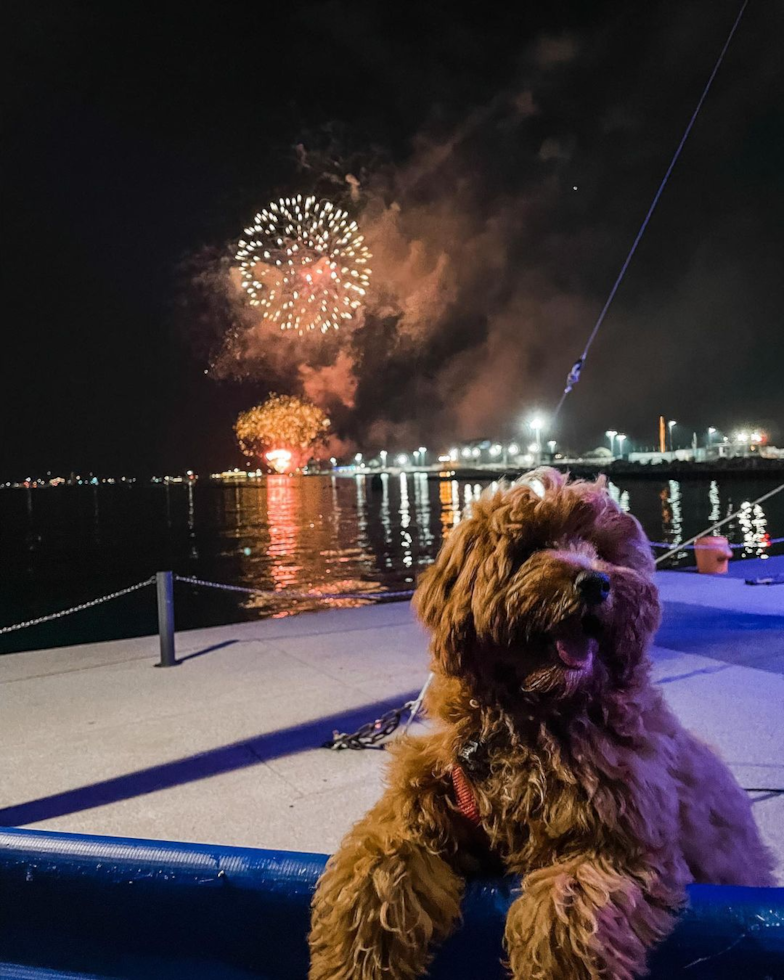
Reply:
x=284, y=430
x=304, y=264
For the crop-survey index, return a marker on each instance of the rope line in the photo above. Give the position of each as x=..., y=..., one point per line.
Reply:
x=574, y=374
x=75, y=609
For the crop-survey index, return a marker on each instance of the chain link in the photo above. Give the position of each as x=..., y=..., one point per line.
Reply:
x=369, y=734
x=74, y=609
x=212, y=585
x=271, y=594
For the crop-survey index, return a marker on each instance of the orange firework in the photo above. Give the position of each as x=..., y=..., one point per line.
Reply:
x=284, y=431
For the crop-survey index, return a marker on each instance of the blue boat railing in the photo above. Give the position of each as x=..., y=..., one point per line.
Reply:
x=78, y=907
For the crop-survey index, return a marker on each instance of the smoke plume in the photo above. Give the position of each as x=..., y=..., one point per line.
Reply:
x=494, y=242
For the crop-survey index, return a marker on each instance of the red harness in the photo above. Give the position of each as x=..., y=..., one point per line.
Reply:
x=464, y=796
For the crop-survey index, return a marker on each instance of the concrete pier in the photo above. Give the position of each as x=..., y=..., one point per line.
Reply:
x=226, y=747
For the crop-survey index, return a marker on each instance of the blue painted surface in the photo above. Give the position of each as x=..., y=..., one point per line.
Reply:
x=743, y=639
x=85, y=907
x=757, y=568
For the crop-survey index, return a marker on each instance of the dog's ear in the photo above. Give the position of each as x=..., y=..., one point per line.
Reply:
x=621, y=540
x=443, y=597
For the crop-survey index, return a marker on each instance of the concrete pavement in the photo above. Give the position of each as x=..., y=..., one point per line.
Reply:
x=224, y=747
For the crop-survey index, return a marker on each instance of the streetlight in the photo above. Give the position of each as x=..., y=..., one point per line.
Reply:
x=466, y=452
x=537, y=424
x=422, y=453
x=453, y=454
x=514, y=449
x=671, y=425
x=551, y=446
x=358, y=459
x=401, y=459
x=495, y=450
x=621, y=440
x=611, y=434
x=383, y=455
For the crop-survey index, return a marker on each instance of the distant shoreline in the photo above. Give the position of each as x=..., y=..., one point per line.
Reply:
x=681, y=471
x=620, y=468
x=733, y=468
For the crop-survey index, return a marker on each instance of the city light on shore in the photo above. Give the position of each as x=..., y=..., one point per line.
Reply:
x=288, y=436
x=497, y=455
x=670, y=426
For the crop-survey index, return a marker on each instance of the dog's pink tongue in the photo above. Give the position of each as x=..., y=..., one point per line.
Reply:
x=576, y=650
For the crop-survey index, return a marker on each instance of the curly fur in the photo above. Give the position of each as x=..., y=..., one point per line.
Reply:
x=591, y=791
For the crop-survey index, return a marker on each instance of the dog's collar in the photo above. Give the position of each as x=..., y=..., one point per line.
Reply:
x=472, y=761
x=464, y=796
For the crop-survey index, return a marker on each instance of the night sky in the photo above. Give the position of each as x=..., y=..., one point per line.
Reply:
x=140, y=139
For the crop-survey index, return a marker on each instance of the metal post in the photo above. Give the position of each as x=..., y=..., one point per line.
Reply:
x=164, y=584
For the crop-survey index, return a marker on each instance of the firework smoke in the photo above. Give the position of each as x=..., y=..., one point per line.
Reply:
x=494, y=244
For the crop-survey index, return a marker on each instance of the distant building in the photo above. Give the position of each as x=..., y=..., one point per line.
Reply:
x=678, y=455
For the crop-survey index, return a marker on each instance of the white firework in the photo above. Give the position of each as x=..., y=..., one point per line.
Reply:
x=304, y=264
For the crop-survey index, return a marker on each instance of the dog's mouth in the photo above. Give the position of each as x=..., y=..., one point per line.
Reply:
x=577, y=643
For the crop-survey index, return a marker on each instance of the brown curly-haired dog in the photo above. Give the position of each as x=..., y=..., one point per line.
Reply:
x=554, y=758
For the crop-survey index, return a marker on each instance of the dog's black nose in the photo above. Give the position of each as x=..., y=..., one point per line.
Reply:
x=594, y=587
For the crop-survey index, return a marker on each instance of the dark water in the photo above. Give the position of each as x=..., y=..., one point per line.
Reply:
x=66, y=545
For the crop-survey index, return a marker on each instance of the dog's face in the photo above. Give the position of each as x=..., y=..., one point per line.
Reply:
x=545, y=591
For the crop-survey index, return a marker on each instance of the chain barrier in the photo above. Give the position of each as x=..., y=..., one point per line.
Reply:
x=403, y=594
x=272, y=594
x=75, y=609
x=708, y=547
x=713, y=527
x=371, y=733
